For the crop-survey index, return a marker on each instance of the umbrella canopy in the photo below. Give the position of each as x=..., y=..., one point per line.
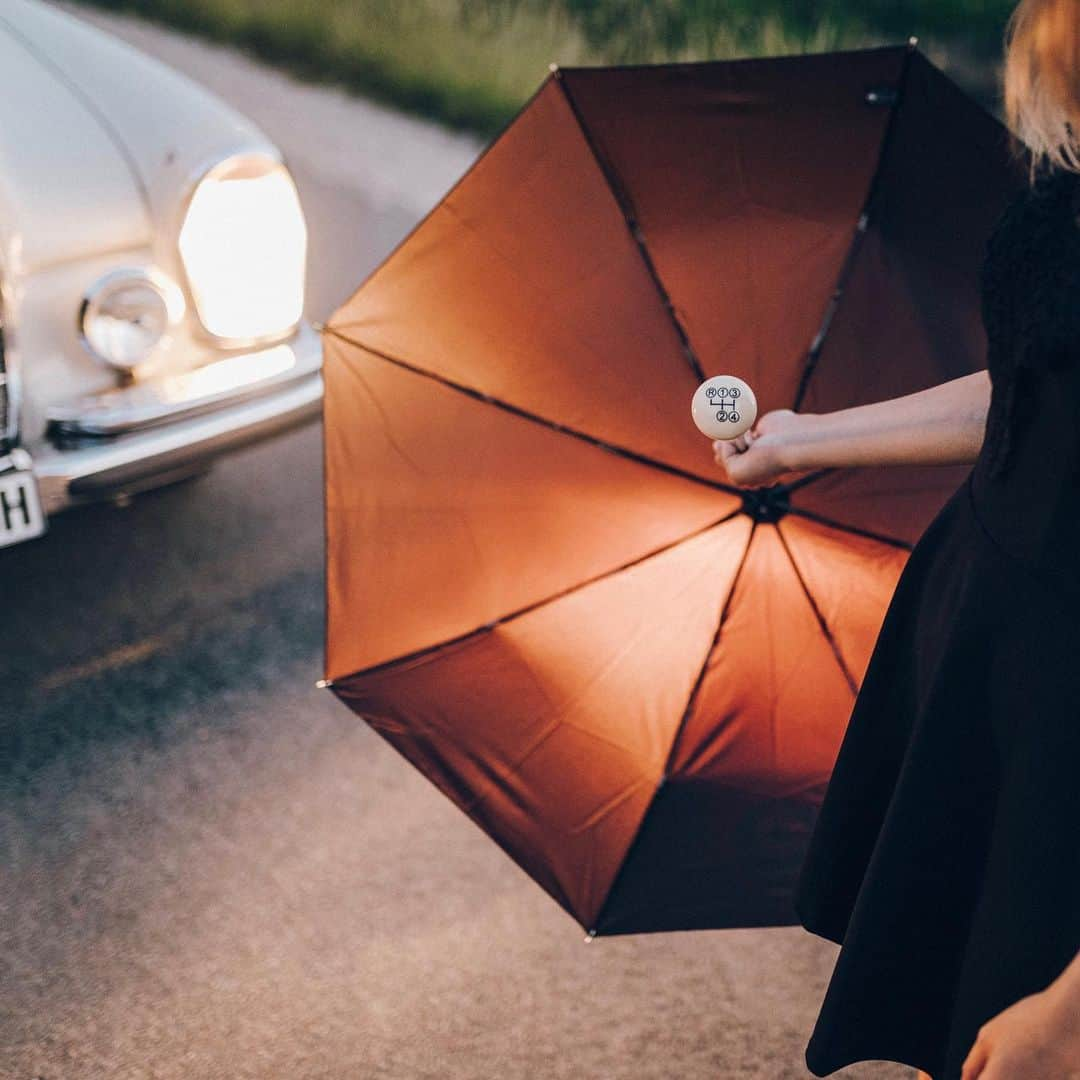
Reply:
x=634, y=676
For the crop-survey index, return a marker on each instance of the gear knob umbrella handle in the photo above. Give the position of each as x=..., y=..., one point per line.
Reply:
x=723, y=407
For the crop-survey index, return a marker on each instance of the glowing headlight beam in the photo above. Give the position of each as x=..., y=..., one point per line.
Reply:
x=243, y=244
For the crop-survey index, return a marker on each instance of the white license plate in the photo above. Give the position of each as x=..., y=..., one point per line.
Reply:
x=20, y=508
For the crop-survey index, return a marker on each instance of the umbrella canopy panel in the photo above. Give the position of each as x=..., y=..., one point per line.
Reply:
x=525, y=284
x=745, y=180
x=633, y=676
x=909, y=317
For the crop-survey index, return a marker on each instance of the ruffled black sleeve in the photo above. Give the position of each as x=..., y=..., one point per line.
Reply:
x=1030, y=292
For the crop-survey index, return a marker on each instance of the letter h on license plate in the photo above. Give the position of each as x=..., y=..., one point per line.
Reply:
x=21, y=517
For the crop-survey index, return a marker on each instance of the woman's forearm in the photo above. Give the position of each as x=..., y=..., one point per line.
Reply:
x=941, y=425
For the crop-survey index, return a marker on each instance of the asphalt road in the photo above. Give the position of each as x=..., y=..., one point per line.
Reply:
x=209, y=868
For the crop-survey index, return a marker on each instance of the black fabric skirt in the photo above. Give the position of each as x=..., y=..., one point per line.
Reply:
x=946, y=857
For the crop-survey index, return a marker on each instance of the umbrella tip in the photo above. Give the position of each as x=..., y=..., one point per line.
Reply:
x=589, y=936
x=553, y=68
x=912, y=41
x=324, y=684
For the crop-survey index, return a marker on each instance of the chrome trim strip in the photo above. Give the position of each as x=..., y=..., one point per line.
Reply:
x=68, y=477
x=5, y=400
x=9, y=365
x=167, y=398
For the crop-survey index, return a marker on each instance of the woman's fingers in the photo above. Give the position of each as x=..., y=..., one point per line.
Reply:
x=975, y=1062
x=725, y=448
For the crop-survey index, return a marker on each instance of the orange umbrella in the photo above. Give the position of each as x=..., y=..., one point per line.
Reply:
x=633, y=676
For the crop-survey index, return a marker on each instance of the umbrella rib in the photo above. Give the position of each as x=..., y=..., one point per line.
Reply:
x=833, y=644
x=701, y=676
x=678, y=730
x=796, y=484
x=846, y=269
x=479, y=395
x=840, y=526
x=416, y=654
x=622, y=201
x=708, y=652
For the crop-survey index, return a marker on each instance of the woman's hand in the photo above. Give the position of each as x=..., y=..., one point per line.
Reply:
x=756, y=458
x=1039, y=1036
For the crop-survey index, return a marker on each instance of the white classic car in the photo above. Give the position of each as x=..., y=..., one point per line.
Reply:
x=152, y=265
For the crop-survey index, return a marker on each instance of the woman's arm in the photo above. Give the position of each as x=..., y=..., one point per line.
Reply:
x=942, y=425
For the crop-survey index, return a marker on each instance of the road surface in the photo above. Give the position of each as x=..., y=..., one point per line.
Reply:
x=209, y=868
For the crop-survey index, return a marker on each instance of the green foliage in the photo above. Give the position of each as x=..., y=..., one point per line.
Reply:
x=472, y=63
x=639, y=30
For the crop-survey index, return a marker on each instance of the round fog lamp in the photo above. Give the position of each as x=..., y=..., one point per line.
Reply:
x=127, y=313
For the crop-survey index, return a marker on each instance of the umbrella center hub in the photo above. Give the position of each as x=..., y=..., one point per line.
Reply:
x=766, y=503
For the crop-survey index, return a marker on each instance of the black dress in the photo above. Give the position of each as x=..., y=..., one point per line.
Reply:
x=946, y=856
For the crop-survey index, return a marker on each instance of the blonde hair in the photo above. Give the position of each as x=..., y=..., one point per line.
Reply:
x=1042, y=80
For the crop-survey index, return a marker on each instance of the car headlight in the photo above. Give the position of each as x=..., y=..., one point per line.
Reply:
x=243, y=244
x=126, y=313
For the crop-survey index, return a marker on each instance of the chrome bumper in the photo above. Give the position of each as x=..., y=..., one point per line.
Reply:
x=131, y=439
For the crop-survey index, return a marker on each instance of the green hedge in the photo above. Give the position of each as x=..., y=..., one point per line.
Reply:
x=471, y=63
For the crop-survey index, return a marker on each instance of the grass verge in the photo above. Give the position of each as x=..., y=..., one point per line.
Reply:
x=472, y=63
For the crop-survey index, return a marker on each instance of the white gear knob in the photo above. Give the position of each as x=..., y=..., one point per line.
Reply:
x=724, y=407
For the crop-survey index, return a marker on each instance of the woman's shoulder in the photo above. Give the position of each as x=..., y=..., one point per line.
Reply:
x=1051, y=200
x=1050, y=178
x=1030, y=279
x=1037, y=237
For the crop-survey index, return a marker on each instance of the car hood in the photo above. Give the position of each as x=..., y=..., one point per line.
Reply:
x=109, y=141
